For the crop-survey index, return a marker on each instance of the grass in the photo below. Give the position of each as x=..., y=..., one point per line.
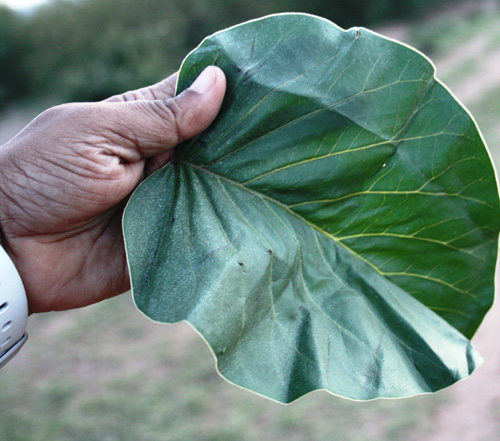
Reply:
x=448, y=31
x=486, y=111
x=461, y=41
x=108, y=373
x=445, y=38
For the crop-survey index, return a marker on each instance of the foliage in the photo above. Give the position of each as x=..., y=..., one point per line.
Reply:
x=127, y=378
x=11, y=50
x=87, y=51
x=90, y=49
x=339, y=183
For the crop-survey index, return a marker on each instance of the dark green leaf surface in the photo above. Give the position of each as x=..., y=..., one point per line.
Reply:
x=335, y=228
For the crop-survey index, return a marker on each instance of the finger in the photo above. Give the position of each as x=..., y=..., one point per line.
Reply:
x=160, y=91
x=149, y=128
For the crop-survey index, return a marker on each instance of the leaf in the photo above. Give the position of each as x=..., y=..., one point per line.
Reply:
x=335, y=228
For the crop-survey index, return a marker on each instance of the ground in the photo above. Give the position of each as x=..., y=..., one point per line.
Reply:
x=107, y=373
x=472, y=70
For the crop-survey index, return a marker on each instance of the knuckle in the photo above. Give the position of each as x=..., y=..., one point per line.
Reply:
x=62, y=112
x=55, y=112
x=133, y=95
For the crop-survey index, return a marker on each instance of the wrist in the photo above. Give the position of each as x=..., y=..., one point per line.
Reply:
x=13, y=301
x=7, y=214
x=13, y=309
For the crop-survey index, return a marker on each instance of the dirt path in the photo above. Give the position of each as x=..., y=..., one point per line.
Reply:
x=486, y=75
x=473, y=411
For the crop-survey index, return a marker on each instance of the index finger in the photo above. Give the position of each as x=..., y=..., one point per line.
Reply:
x=162, y=91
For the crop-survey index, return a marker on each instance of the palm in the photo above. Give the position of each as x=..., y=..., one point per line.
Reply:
x=67, y=187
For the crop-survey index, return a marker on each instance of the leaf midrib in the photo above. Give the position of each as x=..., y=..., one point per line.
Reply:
x=310, y=224
x=337, y=240
x=284, y=207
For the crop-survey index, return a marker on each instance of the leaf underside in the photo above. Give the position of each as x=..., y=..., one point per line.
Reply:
x=335, y=228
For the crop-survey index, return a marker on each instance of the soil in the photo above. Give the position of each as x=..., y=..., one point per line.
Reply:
x=471, y=411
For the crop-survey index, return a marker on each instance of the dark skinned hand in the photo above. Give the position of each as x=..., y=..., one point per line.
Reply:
x=65, y=180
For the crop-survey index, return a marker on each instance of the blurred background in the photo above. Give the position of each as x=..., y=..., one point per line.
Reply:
x=106, y=372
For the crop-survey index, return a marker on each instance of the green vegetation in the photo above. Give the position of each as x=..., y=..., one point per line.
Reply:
x=487, y=111
x=105, y=373
x=12, y=54
x=448, y=31
x=90, y=49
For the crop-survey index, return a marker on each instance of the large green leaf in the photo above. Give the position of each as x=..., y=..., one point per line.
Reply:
x=335, y=228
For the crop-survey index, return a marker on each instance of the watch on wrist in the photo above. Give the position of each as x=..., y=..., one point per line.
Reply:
x=13, y=309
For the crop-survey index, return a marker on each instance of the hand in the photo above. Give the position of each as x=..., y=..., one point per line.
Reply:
x=65, y=180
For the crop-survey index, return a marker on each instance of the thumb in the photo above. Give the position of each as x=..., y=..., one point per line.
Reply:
x=154, y=126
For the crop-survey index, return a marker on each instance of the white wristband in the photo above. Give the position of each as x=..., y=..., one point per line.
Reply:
x=13, y=309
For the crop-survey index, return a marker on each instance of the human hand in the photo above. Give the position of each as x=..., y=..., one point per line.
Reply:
x=65, y=180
